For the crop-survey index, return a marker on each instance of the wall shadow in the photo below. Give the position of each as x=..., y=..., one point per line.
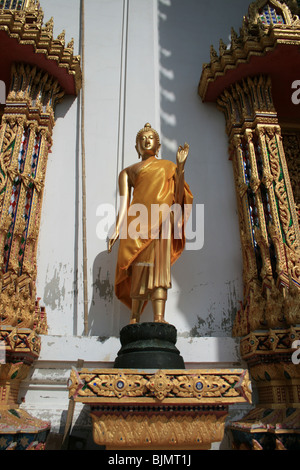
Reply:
x=107, y=314
x=207, y=280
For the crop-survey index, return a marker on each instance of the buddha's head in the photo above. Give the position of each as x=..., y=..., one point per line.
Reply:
x=147, y=142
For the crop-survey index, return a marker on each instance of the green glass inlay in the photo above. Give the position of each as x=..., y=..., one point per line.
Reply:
x=14, y=412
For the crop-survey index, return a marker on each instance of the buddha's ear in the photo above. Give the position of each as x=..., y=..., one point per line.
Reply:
x=136, y=148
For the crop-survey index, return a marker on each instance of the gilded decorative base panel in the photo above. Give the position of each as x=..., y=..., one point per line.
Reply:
x=181, y=428
x=273, y=364
x=164, y=409
x=20, y=431
x=19, y=347
x=268, y=429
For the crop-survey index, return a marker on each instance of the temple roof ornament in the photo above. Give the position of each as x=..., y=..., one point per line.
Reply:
x=269, y=12
x=267, y=43
x=27, y=39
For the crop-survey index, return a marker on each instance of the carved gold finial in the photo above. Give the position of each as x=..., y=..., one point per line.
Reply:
x=70, y=45
x=222, y=47
x=235, y=41
x=49, y=25
x=213, y=54
x=61, y=37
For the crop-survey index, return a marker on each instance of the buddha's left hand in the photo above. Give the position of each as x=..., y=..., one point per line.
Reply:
x=182, y=154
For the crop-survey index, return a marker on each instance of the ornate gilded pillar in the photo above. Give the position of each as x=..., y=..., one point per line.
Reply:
x=260, y=123
x=34, y=87
x=269, y=228
x=24, y=141
x=291, y=145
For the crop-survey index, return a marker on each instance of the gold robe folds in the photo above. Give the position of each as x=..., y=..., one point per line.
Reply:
x=148, y=246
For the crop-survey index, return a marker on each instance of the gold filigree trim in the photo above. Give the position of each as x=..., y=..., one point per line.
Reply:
x=157, y=431
x=197, y=386
x=269, y=342
x=19, y=340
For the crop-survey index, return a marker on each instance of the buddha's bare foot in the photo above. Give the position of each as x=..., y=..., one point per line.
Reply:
x=134, y=319
x=159, y=319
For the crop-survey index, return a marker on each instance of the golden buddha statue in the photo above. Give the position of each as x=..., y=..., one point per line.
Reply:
x=143, y=269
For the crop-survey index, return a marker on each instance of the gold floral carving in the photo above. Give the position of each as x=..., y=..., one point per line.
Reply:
x=11, y=376
x=19, y=347
x=291, y=144
x=157, y=431
x=283, y=189
x=270, y=342
x=161, y=385
x=96, y=386
x=108, y=385
x=20, y=341
x=291, y=305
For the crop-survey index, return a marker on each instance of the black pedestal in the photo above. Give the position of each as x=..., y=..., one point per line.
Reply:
x=149, y=346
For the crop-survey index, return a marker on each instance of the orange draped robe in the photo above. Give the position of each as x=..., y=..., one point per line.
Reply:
x=144, y=262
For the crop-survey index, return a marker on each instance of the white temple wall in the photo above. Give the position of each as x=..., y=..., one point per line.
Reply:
x=143, y=61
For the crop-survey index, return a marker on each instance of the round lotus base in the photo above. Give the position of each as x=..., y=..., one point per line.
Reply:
x=149, y=346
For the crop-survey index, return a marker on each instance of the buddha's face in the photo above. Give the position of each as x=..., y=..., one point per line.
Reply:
x=147, y=144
